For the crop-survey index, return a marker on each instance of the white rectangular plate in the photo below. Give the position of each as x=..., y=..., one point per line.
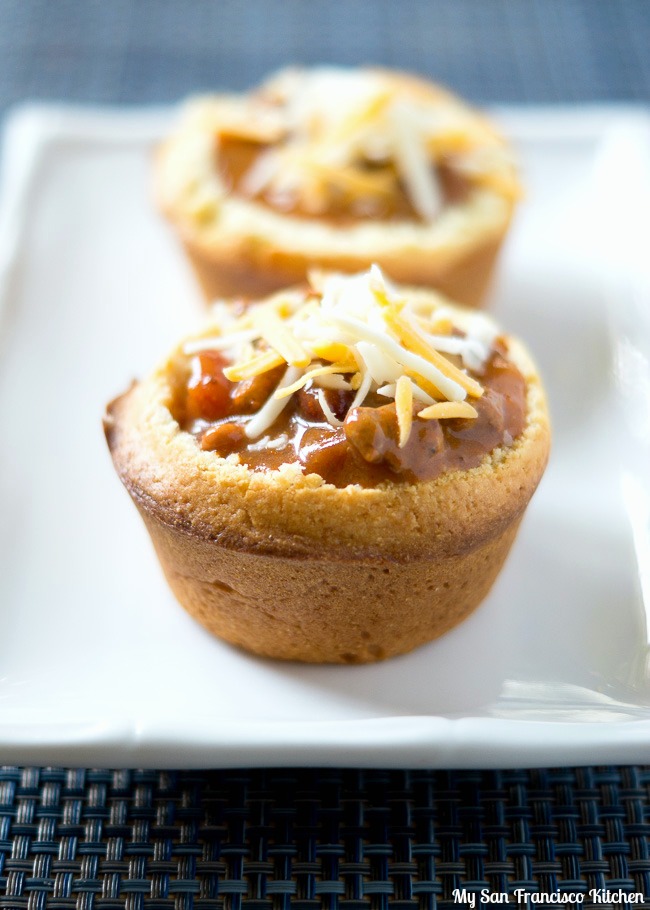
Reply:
x=99, y=665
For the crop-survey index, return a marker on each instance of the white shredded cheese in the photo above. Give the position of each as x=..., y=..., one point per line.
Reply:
x=327, y=411
x=272, y=407
x=482, y=332
x=473, y=348
x=333, y=381
x=414, y=163
x=279, y=442
x=364, y=388
x=381, y=366
x=388, y=391
x=404, y=408
x=266, y=167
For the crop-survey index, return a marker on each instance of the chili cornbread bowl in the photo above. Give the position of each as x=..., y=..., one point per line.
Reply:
x=290, y=563
x=337, y=168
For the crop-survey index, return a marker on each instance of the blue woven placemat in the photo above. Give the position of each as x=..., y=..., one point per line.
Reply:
x=317, y=838
x=143, y=51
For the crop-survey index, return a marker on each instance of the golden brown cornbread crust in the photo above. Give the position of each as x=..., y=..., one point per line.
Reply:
x=241, y=247
x=324, y=610
x=288, y=566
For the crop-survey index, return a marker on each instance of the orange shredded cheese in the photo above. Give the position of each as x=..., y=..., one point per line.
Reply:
x=446, y=410
x=441, y=326
x=259, y=363
x=425, y=384
x=334, y=351
x=404, y=408
x=273, y=329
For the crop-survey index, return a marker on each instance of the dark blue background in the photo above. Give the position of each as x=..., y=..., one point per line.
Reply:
x=141, y=51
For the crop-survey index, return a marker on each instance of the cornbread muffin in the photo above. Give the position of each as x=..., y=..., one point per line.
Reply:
x=339, y=169
x=334, y=474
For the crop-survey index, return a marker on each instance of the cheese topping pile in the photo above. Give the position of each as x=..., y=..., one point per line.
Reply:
x=354, y=333
x=355, y=132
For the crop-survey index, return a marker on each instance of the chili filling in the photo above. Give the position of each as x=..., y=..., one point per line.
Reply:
x=365, y=448
x=385, y=198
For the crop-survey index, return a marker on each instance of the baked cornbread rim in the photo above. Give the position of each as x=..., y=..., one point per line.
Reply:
x=233, y=229
x=289, y=514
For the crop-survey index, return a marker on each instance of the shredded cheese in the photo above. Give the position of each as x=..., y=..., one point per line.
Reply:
x=388, y=391
x=414, y=164
x=409, y=335
x=319, y=129
x=364, y=387
x=272, y=408
x=452, y=389
x=445, y=410
x=332, y=350
x=358, y=335
x=254, y=366
x=327, y=411
x=333, y=381
x=274, y=331
x=254, y=122
x=286, y=391
x=404, y=408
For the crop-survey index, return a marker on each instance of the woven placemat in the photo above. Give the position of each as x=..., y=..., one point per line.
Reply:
x=319, y=838
x=144, y=51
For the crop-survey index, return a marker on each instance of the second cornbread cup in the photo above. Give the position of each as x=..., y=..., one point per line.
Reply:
x=338, y=168
x=289, y=565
